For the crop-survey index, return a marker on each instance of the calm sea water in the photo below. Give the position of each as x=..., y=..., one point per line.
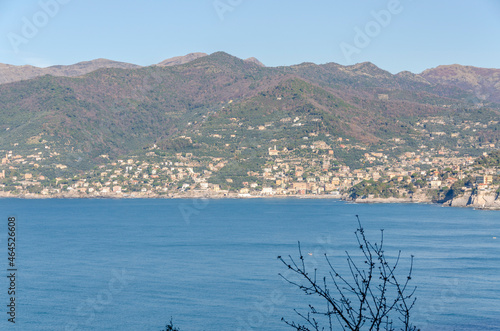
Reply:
x=211, y=265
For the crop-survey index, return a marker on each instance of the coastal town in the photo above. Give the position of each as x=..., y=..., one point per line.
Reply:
x=237, y=165
x=426, y=175
x=364, y=135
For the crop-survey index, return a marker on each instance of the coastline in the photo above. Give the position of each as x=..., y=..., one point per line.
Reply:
x=391, y=200
x=138, y=195
x=494, y=205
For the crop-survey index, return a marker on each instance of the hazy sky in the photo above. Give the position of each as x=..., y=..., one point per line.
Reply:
x=395, y=35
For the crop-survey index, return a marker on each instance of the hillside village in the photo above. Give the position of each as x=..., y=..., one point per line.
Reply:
x=310, y=171
x=218, y=126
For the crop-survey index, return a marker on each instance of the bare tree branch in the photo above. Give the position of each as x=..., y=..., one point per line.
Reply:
x=371, y=298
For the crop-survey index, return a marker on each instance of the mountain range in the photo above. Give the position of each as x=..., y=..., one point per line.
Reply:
x=223, y=104
x=484, y=82
x=11, y=73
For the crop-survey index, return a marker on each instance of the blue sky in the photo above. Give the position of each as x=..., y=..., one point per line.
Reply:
x=396, y=35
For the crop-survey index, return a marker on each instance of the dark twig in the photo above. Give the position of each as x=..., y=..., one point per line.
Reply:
x=371, y=298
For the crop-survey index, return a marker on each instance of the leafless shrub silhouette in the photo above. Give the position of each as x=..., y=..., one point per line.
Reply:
x=370, y=298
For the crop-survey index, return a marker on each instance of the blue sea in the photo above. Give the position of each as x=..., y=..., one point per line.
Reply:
x=212, y=264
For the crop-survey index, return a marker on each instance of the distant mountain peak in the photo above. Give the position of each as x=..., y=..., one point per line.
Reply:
x=99, y=60
x=95, y=64
x=367, y=68
x=223, y=61
x=411, y=76
x=364, y=65
x=11, y=73
x=458, y=69
x=224, y=56
x=483, y=82
x=254, y=60
x=179, y=60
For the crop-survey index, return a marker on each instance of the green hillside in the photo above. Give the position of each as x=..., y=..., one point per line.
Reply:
x=224, y=104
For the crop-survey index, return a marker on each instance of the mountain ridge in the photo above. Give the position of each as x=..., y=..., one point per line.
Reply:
x=179, y=60
x=10, y=73
x=483, y=83
x=115, y=111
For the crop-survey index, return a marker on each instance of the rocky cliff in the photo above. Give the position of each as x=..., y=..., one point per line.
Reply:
x=480, y=200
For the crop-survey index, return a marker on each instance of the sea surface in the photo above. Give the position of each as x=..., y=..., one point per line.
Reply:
x=212, y=264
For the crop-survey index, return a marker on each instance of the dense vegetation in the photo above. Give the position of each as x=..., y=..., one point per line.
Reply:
x=227, y=106
x=490, y=161
x=376, y=189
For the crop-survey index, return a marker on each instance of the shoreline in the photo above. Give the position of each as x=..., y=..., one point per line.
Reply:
x=239, y=196
x=164, y=196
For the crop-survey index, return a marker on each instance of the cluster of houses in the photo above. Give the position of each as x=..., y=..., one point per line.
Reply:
x=284, y=173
